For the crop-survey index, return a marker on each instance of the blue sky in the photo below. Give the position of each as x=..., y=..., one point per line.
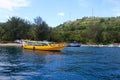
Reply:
x=56, y=12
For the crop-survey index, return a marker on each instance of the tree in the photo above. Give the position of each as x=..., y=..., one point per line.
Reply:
x=42, y=29
x=16, y=28
x=2, y=31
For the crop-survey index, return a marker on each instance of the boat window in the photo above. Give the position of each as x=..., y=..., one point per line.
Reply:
x=44, y=44
x=31, y=43
x=51, y=43
x=41, y=44
x=37, y=43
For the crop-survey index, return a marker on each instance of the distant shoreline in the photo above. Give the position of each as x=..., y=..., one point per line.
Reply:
x=100, y=45
x=83, y=45
x=10, y=44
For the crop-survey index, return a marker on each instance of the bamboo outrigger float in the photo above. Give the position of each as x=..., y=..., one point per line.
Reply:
x=43, y=45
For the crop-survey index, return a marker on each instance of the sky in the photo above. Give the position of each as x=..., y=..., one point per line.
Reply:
x=56, y=12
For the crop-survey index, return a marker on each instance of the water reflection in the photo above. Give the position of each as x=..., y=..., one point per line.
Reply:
x=22, y=64
x=49, y=61
x=43, y=52
x=45, y=58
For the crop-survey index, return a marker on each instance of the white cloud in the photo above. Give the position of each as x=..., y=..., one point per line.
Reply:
x=11, y=4
x=61, y=14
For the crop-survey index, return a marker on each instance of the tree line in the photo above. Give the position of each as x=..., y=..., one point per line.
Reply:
x=88, y=30
x=17, y=28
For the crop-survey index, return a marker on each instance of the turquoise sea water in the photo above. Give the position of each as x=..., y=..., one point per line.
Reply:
x=72, y=63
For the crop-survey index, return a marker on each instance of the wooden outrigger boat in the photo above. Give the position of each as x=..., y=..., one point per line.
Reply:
x=43, y=45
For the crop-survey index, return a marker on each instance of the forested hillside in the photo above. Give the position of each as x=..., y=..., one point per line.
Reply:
x=88, y=30
x=94, y=30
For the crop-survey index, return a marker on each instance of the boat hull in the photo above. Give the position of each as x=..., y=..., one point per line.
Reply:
x=45, y=48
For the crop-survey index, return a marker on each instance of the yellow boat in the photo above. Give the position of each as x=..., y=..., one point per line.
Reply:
x=43, y=45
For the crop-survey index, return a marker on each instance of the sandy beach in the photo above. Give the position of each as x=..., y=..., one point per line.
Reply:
x=10, y=44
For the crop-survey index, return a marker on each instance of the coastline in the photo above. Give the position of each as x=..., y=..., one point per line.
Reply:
x=100, y=45
x=10, y=44
x=83, y=45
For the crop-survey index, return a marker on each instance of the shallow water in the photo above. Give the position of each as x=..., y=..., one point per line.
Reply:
x=72, y=63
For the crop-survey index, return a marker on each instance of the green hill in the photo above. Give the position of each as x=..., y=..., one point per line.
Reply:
x=93, y=30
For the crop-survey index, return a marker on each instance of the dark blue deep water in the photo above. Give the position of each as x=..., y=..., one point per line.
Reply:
x=72, y=63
